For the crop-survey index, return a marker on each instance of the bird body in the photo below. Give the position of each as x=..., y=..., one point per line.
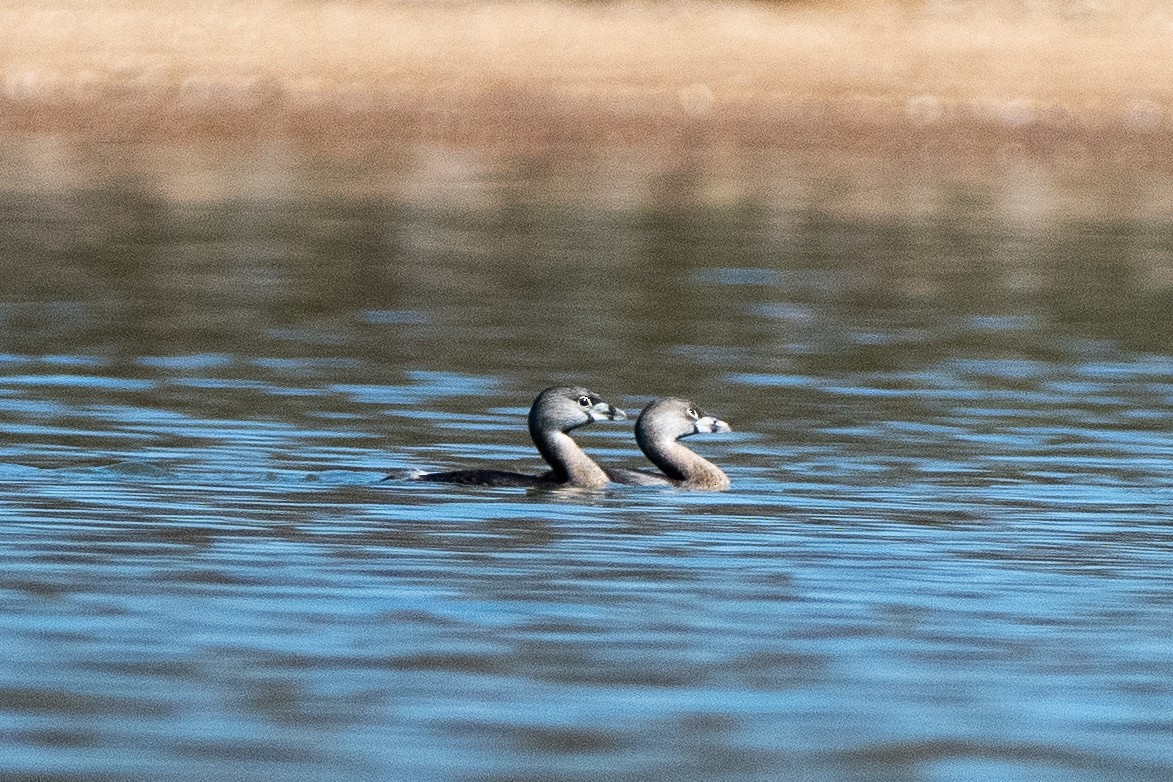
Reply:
x=555, y=412
x=658, y=432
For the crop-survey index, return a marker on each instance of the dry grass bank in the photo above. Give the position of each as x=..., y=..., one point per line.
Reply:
x=1068, y=80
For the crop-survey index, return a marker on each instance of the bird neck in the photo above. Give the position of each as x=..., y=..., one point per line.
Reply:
x=682, y=464
x=570, y=463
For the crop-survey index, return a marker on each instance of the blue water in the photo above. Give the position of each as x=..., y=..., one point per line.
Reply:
x=947, y=553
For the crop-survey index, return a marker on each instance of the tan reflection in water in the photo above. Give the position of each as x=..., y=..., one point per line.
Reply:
x=1068, y=79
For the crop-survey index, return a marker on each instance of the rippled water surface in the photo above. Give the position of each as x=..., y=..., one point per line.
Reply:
x=947, y=553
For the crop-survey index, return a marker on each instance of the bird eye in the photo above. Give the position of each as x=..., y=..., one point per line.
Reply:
x=584, y=401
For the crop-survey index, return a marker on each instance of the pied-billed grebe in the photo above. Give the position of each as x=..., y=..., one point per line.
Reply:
x=657, y=432
x=554, y=413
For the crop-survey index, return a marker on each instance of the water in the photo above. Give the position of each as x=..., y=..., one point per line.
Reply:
x=946, y=554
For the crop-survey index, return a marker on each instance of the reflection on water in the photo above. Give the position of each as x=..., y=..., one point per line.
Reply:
x=946, y=554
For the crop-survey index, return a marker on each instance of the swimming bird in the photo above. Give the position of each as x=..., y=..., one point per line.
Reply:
x=658, y=432
x=554, y=414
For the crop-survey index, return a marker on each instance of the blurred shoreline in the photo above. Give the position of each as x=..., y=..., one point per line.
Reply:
x=1069, y=84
